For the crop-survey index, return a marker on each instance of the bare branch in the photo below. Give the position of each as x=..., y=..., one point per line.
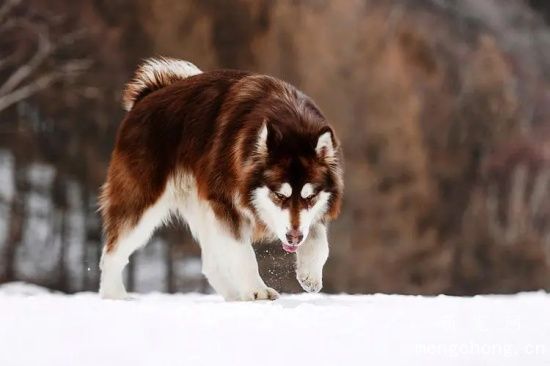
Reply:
x=70, y=68
x=6, y=8
x=70, y=38
x=44, y=49
x=8, y=24
x=28, y=90
x=75, y=67
x=34, y=74
x=6, y=61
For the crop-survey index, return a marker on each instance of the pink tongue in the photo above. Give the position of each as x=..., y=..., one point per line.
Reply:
x=290, y=248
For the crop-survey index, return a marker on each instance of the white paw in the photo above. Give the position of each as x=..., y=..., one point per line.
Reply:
x=310, y=282
x=265, y=293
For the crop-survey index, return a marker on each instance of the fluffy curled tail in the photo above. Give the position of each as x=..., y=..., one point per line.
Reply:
x=154, y=74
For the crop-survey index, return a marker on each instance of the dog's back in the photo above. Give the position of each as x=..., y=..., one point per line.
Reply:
x=169, y=127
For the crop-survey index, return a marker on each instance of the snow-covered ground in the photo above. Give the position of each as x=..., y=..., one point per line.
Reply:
x=42, y=328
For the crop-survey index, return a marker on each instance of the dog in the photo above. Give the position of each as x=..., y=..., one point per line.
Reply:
x=240, y=157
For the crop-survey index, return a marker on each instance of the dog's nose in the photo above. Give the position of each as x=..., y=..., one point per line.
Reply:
x=294, y=237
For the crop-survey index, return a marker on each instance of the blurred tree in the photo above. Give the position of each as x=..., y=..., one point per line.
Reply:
x=28, y=62
x=543, y=6
x=442, y=108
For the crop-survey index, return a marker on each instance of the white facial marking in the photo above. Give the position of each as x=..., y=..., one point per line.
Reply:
x=314, y=213
x=276, y=219
x=325, y=144
x=285, y=190
x=307, y=190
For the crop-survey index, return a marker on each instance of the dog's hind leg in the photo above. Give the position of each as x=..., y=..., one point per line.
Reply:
x=129, y=238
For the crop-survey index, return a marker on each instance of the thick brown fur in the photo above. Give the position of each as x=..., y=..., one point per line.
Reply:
x=208, y=125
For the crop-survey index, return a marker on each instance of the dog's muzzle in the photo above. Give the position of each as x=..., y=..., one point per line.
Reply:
x=293, y=240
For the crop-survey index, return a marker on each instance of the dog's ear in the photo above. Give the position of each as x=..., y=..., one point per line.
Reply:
x=268, y=138
x=261, y=142
x=326, y=144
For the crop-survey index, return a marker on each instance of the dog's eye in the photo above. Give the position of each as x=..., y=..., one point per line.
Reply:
x=311, y=196
x=280, y=196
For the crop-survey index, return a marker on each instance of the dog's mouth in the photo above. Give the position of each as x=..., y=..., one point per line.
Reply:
x=289, y=248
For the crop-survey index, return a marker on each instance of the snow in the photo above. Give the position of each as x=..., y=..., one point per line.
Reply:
x=42, y=328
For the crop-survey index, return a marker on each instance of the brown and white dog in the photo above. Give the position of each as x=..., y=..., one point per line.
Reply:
x=241, y=157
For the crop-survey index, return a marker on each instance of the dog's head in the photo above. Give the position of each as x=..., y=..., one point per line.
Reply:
x=299, y=183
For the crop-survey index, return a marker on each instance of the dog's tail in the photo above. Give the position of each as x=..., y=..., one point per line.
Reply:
x=154, y=74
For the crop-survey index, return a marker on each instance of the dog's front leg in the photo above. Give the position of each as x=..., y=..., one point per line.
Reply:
x=231, y=267
x=311, y=258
